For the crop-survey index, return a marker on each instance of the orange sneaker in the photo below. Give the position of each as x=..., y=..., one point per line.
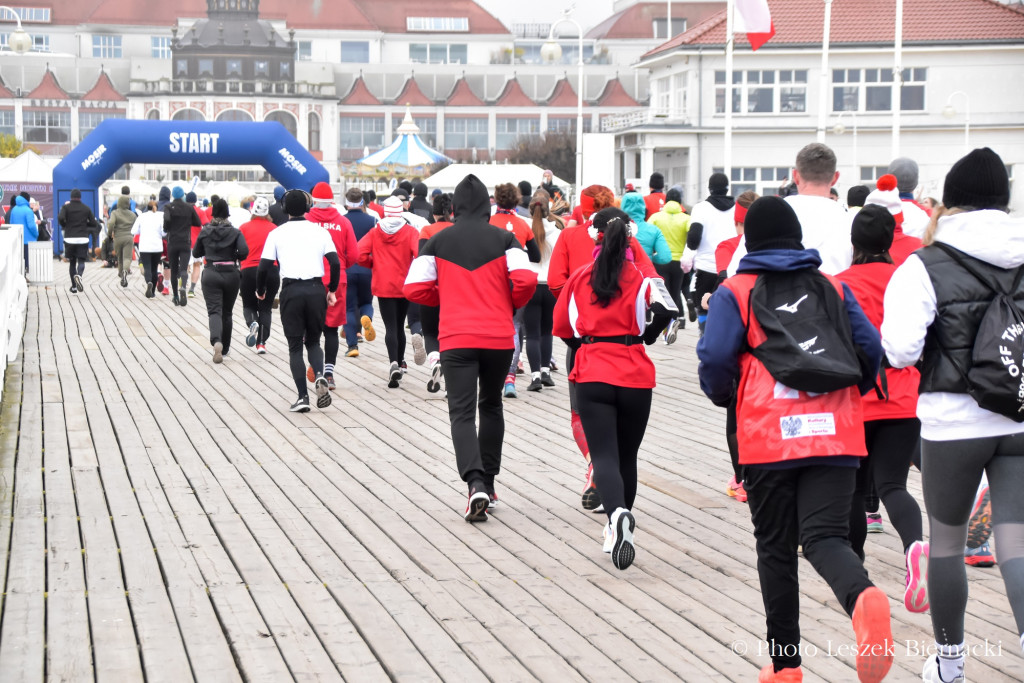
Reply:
x=736, y=490
x=871, y=624
x=787, y=675
x=309, y=374
x=369, y=334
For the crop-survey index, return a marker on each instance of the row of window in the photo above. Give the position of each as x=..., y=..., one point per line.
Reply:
x=358, y=132
x=52, y=127
x=763, y=91
x=352, y=51
x=767, y=180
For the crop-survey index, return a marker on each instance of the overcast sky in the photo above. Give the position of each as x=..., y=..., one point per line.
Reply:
x=589, y=12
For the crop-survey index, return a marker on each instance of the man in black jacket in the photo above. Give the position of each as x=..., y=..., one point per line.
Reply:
x=179, y=218
x=419, y=204
x=78, y=223
x=277, y=212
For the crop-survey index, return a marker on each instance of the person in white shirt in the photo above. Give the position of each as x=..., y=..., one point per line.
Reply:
x=825, y=223
x=300, y=247
x=149, y=226
x=711, y=221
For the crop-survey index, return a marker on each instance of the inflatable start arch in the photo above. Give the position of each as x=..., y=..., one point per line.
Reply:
x=116, y=142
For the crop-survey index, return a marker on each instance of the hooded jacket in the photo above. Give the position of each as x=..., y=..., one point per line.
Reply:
x=121, y=220
x=388, y=250
x=674, y=225
x=164, y=198
x=23, y=215
x=914, y=316
x=649, y=237
x=340, y=230
x=220, y=242
x=478, y=274
x=420, y=205
x=76, y=219
x=179, y=218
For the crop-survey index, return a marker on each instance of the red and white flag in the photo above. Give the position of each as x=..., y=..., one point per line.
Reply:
x=753, y=18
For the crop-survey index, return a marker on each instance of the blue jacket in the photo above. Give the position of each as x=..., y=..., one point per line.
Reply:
x=649, y=236
x=22, y=214
x=362, y=223
x=724, y=334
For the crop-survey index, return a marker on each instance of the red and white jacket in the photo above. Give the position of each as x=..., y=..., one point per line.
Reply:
x=575, y=249
x=388, y=250
x=344, y=238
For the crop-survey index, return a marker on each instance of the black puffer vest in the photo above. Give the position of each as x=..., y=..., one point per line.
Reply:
x=961, y=302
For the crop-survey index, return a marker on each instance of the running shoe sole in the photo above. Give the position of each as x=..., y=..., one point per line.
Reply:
x=979, y=529
x=915, y=599
x=434, y=383
x=623, y=552
x=368, y=332
x=323, y=393
x=975, y=561
x=591, y=499
x=673, y=332
x=183, y=297
x=77, y=279
x=218, y=355
x=253, y=336
x=476, y=511
x=310, y=377
x=871, y=624
x=419, y=350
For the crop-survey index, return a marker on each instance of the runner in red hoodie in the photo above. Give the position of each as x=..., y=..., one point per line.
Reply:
x=326, y=215
x=388, y=250
x=258, y=314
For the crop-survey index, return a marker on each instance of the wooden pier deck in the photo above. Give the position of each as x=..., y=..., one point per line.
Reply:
x=166, y=519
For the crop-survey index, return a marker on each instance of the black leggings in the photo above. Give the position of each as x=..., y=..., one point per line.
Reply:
x=430, y=321
x=950, y=474
x=331, y=345
x=672, y=274
x=614, y=420
x=891, y=443
x=220, y=289
x=151, y=265
x=393, y=312
x=256, y=310
x=303, y=311
x=732, y=441
x=178, y=255
x=77, y=255
x=538, y=319
x=415, y=327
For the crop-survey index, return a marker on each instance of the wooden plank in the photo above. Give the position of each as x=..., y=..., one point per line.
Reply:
x=10, y=416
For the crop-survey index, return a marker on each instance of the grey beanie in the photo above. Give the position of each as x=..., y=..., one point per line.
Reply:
x=905, y=170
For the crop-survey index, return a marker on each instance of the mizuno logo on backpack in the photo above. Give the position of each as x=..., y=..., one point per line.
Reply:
x=792, y=308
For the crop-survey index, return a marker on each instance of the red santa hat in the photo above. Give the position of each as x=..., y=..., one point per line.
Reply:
x=323, y=194
x=887, y=196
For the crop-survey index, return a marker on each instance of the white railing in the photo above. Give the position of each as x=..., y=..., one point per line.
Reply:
x=641, y=117
x=13, y=296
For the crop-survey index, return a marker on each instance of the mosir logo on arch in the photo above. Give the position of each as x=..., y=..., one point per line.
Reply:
x=291, y=162
x=95, y=157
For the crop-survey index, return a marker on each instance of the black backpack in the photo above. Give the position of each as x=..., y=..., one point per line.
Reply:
x=809, y=344
x=996, y=376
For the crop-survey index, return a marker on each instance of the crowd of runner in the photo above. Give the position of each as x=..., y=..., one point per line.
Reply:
x=897, y=299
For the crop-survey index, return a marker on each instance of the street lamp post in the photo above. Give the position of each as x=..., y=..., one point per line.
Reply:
x=839, y=128
x=551, y=51
x=949, y=112
x=19, y=41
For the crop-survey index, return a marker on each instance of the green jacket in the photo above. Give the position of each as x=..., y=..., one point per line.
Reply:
x=121, y=220
x=674, y=223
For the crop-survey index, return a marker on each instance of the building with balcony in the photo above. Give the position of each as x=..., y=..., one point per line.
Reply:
x=962, y=67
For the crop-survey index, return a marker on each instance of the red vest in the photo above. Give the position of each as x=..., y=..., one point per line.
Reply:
x=776, y=423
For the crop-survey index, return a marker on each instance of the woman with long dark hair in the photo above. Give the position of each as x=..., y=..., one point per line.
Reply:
x=537, y=317
x=613, y=375
x=223, y=247
x=430, y=316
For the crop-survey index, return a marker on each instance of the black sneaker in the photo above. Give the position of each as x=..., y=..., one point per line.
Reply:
x=394, y=375
x=183, y=296
x=301, y=405
x=535, y=385
x=330, y=382
x=476, y=507
x=545, y=379
x=691, y=310
x=77, y=279
x=254, y=334
x=323, y=392
x=124, y=280
x=149, y=290
x=73, y=290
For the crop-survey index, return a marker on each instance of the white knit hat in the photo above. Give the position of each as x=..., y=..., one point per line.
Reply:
x=260, y=206
x=887, y=196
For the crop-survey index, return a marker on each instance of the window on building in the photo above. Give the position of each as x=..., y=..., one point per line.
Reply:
x=88, y=120
x=106, y=46
x=438, y=53
x=566, y=124
x=678, y=26
x=313, y=138
x=286, y=70
x=181, y=68
x=160, y=47
x=234, y=115
x=763, y=180
x=39, y=15
x=40, y=43
x=912, y=90
x=358, y=132
x=437, y=24
x=872, y=173
x=427, y=126
x=529, y=52
x=188, y=115
x=206, y=68
x=285, y=119
x=153, y=115
x=233, y=67
x=763, y=91
x=462, y=133
x=878, y=89
x=261, y=68
x=7, y=122
x=305, y=53
x=47, y=126
x=355, y=51
x=509, y=131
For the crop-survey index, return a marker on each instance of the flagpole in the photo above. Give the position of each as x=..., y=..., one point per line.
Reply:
x=897, y=78
x=729, y=40
x=823, y=82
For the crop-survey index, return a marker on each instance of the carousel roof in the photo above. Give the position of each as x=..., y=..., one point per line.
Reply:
x=407, y=150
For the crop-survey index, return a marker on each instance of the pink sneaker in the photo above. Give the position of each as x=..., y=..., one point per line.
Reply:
x=916, y=597
x=736, y=490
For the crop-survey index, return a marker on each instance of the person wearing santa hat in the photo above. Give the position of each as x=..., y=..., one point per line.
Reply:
x=916, y=217
x=388, y=250
x=326, y=215
x=887, y=196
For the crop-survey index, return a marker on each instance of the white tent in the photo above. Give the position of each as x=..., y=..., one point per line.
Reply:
x=136, y=188
x=492, y=174
x=29, y=167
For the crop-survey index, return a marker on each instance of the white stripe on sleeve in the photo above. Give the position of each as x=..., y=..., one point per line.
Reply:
x=422, y=269
x=517, y=260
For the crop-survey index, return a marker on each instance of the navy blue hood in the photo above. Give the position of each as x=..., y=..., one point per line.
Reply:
x=779, y=260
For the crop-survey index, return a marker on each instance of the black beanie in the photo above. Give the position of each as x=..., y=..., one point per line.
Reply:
x=718, y=183
x=979, y=181
x=771, y=223
x=525, y=189
x=297, y=202
x=75, y=194
x=220, y=210
x=191, y=198
x=873, y=229
x=657, y=181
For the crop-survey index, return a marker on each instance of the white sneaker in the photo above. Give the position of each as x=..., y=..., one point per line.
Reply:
x=930, y=673
x=434, y=383
x=623, y=552
x=419, y=350
x=673, y=332
x=608, y=540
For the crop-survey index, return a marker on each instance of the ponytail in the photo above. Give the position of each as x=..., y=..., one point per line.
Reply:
x=539, y=212
x=604, y=278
